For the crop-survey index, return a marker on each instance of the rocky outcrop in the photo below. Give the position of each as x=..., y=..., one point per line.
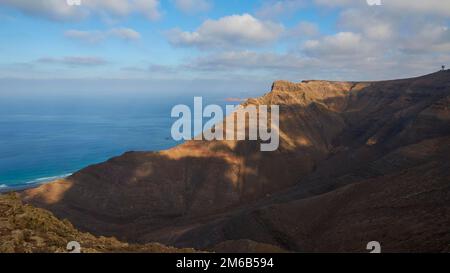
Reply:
x=26, y=229
x=357, y=161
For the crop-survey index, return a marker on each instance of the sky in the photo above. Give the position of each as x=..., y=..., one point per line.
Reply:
x=218, y=45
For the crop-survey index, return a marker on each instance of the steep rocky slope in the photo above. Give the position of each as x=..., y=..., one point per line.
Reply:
x=357, y=162
x=26, y=229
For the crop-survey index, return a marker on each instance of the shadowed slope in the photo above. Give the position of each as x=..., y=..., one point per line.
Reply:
x=344, y=147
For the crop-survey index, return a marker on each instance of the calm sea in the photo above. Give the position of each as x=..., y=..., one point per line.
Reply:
x=45, y=138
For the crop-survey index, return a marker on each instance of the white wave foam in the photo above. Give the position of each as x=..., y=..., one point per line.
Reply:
x=47, y=179
x=32, y=183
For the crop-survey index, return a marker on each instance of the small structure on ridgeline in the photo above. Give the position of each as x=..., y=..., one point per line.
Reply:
x=443, y=67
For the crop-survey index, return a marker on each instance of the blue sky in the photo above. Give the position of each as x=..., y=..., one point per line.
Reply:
x=233, y=41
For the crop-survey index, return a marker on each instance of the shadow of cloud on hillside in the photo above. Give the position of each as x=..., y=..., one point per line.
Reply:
x=110, y=198
x=180, y=195
x=133, y=194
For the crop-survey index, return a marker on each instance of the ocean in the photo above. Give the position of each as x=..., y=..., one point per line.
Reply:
x=45, y=138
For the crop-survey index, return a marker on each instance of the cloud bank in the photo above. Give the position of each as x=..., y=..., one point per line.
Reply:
x=228, y=32
x=59, y=10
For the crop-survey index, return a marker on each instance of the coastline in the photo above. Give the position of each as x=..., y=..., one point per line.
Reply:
x=4, y=188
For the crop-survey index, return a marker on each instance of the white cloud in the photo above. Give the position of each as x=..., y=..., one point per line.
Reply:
x=340, y=45
x=193, y=6
x=276, y=8
x=230, y=31
x=392, y=33
x=399, y=38
x=96, y=36
x=233, y=60
x=436, y=7
x=337, y=3
x=305, y=29
x=53, y=9
x=60, y=10
x=428, y=39
x=73, y=61
x=430, y=7
x=86, y=36
x=376, y=26
x=125, y=33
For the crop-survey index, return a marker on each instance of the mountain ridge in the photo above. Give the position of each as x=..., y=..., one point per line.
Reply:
x=335, y=138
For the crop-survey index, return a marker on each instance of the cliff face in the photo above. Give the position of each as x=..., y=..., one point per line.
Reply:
x=357, y=162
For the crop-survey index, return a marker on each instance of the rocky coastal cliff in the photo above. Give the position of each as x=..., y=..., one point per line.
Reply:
x=357, y=162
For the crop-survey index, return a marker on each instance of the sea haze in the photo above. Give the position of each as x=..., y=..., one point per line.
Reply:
x=46, y=136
